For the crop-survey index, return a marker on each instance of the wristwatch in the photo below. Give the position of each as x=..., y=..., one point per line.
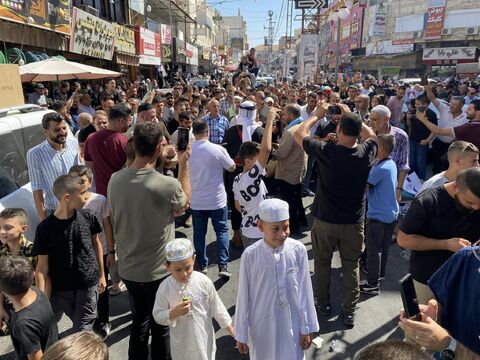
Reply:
x=449, y=352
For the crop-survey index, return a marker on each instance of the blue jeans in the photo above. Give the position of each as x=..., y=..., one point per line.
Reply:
x=418, y=158
x=220, y=225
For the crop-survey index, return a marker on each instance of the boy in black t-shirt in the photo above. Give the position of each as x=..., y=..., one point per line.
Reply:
x=33, y=327
x=70, y=254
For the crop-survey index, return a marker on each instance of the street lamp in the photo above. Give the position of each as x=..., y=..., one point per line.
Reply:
x=337, y=16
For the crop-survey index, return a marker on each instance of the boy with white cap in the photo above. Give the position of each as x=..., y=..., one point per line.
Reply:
x=275, y=311
x=187, y=301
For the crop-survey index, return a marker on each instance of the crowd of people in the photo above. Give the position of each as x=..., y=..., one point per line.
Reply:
x=122, y=164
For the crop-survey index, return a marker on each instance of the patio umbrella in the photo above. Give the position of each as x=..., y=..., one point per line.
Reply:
x=56, y=69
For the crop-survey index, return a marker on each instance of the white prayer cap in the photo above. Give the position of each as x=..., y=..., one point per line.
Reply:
x=179, y=250
x=273, y=210
x=269, y=99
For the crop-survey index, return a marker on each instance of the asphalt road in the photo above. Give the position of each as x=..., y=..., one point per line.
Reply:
x=377, y=316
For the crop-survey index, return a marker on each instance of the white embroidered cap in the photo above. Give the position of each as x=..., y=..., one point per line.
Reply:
x=273, y=210
x=179, y=250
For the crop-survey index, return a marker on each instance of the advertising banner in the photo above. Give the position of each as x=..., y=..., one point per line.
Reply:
x=449, y=55
x=435, y=19
x=166, y=34
x=379, y=20
x=390, y=47
x=148, y=46
x=308, y=56
x=91, y=36
x=46, y=14
x=125, y=40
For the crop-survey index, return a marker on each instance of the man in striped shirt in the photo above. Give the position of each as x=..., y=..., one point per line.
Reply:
x=50, y=159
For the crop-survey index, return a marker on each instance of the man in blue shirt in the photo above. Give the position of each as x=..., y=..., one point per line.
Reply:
x=217, y=124
x=381, y=215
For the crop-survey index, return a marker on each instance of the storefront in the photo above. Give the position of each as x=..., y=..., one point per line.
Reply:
x=125, y=52
x=449, y=56
x=409, y=64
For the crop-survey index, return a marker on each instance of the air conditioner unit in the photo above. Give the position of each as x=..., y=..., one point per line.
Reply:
x=89, y=9
x=447, y=32
x=417, y=34
x=473, y=30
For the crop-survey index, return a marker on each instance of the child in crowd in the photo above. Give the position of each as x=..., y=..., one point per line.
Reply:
x=84, y=345
x=187, y=301
x=275, y=312
x=13, y=225
x=184, y=121
x=98, y=205
x=248, y=187
x=382, y=214
x=33, y=327
x=70, y=254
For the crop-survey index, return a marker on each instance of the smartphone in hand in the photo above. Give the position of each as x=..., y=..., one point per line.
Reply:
x=183, y=138
x=409, y=298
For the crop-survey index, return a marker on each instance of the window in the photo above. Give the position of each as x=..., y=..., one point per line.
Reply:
x=12, y=164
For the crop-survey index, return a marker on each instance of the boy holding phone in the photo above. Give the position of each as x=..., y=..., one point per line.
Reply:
x=185, y=123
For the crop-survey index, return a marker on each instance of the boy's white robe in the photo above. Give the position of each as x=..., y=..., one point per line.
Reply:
x=275, y=303
x=192, y=336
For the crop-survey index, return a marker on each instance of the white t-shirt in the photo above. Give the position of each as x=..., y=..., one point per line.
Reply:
x=434, y=181
x=98, y=204
x=249, y=190
x=446, y=120
x=206, y=175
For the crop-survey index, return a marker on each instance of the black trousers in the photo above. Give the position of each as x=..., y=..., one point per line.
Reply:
x=439, y=156
x=235, y=216
x=103, y=307
x=142, y=301
x=292, y=194
x=378, y=237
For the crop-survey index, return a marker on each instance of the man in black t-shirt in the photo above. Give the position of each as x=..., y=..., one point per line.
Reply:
x=339, y=204
x=327, y=132
x=33, y=326
x=439, y=222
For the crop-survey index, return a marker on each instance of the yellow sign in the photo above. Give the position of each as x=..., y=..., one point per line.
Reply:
x=124, y=40
x=11, y=92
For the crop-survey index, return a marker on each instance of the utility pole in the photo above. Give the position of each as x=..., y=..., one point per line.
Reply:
x=269, y=39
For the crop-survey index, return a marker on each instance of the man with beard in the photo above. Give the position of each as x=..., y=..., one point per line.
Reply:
x=440, y=222
x=49, y=160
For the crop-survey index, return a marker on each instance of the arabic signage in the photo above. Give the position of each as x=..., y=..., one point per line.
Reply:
x=148, y=46
x=449, y=55
x=46, y=14
x=166, y=34
x=435, y=18
x=390, y=47
x=166, y=53
x=308, y=56
x=91, y=36
x=124, y=40
x=379, y=20
x=192, y=54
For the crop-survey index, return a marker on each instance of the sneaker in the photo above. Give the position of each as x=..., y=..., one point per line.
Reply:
x=324, y=309
x=348, y=317
x=115, y=290
x=203, y=269
x=103, y=330
x=224, y=273
x=188, y=222
x=366, y=288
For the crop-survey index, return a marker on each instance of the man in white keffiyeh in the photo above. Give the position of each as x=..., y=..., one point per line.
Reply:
x=247, y=118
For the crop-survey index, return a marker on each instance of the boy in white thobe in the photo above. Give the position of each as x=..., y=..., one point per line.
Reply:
x=275, y=312
x=187, y=301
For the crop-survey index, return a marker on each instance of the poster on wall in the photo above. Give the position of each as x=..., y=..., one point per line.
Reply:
x=46, y=14
x=379, y=23
x=434, y=19
x=166, y=34
x=91, y=35
x=308, y=56
x=148, y=46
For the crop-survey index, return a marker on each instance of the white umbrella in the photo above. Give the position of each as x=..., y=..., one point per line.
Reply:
x=57, y=69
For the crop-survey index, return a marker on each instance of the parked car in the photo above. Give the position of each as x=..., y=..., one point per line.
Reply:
x=413, y=81
x=20, y=130
x=200, y=83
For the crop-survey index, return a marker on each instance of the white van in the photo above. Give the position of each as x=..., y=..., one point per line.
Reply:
x=20, y=130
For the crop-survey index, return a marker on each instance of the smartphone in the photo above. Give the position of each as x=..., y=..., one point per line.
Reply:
x=409, y=298
x=422, y=109
x=183, y=138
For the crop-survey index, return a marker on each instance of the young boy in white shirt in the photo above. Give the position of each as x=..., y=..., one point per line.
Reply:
x=248, y=187
x=187, y=301
x=275, y=312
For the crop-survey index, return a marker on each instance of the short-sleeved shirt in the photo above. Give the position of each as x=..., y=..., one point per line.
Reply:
x=45, y=165
x=401, y=150
x=382, y=200
x=434, y=214
x=446, y=120
x=98, y=205
x=207, y=163
x=418, y=131
x=34, y=327
x=249, y=190
x=456, y=286
x=142, y=204
x=324, y=129
x=468, y=132
x=106, y=149
x=25, y=250
x=343, y=173
x=217, y=128
x=72, y=261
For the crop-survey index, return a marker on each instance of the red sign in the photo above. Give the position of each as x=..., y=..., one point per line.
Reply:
x=434, y=22
x=148, y=46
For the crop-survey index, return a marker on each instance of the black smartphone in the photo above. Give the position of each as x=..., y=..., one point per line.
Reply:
x=422, y=109
x=183, y=138
x=409, y=298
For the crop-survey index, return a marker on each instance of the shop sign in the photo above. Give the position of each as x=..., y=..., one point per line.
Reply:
x=435, y=19
x=46, y=14
x=206, y=54
x=390, y=47
x=166, y=53
x=91, y=35
x=449, y=55
x=124, y=40
x=192, y=54
x=11, y=92
x=148, y=46
x=180, y=53
x=166, y=34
